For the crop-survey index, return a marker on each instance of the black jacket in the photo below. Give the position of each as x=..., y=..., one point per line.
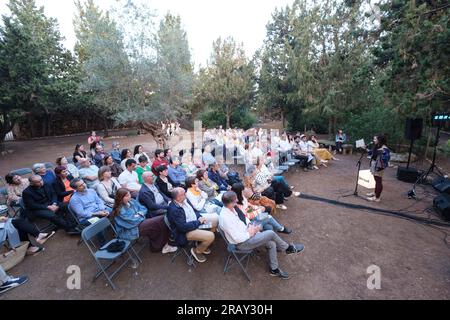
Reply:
x=179, y=226
x=162, y=186
x=34, y=200
x=147, y=199
x=60, y=190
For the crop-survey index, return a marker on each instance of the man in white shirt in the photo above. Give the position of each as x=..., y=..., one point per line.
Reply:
x=302, y=149
x=129, y=178
x=246, y=236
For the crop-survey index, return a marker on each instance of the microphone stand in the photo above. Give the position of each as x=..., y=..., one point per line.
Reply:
x=358, y=164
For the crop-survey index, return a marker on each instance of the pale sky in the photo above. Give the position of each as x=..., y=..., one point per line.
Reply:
x=203, y=20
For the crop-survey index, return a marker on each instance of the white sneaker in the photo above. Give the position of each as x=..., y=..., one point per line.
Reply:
x=373, y=199
x=370, y=194
x=281, y=206
x=168, y=249
x=315, y=167
x=296, y=193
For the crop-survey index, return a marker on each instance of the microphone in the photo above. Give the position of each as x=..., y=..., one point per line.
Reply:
x=370, y=143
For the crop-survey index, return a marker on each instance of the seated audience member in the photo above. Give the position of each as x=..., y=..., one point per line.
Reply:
x=125, y=155
x=322, y=155
x=115, y=168
x=78, y=154
x=185, y=223
x=93, y=140
x=176, y=172
x=247, y=236
x=139, y=152
x=340, y=139
x=142, y=167
x=197, y=160
x=115, y=152
x=47, y=175
x=107, y=187
x=89, y=173
x=214, y=175
x=262, y=184
x=16, y=185
x=40, y=201
x=208, y=186
x=163, y=182
x=207, y=157
x=71, y=169
x=188, y=166
x=131, y=223
x=305, y=149
x=99, y=155
x=168, y=155
x=231, y=177
x=256, y=213
x=300, y=151
x=16, y=230
x=85, y=203
x=129, y=178
x=198, y=199
x=8, y=282
x=62, y=185
x=159, y=160
x=155, y=201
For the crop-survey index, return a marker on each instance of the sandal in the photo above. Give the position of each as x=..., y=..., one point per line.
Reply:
x=33, y=253
x=44, y=239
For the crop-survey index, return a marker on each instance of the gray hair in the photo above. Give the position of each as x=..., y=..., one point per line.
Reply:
x=175, y=192
x=73, y=183
x=37, y=166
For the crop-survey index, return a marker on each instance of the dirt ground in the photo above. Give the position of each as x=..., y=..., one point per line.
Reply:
x=341, y=243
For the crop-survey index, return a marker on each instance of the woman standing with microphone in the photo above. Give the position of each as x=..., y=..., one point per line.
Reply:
x=380, y=156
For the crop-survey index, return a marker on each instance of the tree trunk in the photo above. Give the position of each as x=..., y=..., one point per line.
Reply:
x=283, y=119
x=31, y=125
x=105, y=124
x=330, y=128
x=228, y=119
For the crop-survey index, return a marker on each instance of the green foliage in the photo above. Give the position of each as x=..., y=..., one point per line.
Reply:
x=37, y=74
x=241, y=118
x=374, y=121
x=228, y=82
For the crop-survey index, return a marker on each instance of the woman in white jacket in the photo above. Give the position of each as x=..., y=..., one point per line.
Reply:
x=198, y=198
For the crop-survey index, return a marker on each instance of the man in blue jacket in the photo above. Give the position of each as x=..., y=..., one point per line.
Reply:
x=150, y=197
x=214, y=175
x=40, y=201
x=185, y=223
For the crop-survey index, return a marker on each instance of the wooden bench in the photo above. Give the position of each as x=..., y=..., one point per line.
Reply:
x=348, y=148
x=329, y=144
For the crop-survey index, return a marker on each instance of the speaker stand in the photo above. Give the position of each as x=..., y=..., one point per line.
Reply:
x=412, y=193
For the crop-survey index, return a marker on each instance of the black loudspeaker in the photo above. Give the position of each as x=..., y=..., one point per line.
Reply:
x=442, y=205
x=407, y=174
x=442, y=184
x=413, y=128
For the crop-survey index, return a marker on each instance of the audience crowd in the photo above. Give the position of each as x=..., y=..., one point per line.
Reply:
x=174, y=200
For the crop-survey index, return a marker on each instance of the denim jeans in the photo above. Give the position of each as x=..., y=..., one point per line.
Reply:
x=270, y=223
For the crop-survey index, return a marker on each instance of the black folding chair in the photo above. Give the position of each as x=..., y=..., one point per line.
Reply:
x=181, y=249
x=237, y=256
